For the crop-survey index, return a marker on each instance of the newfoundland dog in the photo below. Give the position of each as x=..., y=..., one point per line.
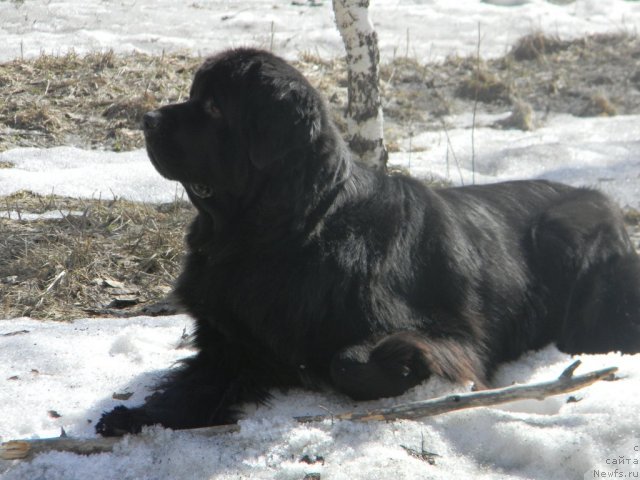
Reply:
x=308, y=269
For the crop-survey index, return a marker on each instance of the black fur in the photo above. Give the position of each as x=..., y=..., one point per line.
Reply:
x=305, y=268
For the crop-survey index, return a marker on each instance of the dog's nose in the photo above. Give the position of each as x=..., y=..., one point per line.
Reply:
x=151, y=120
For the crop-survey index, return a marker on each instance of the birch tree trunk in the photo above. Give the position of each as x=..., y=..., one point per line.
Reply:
x=364, y=108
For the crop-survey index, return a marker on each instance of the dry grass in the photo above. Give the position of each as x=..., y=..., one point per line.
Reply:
x=632, y=218
x=537, y=45
x=103, y=256
x=486, y=87
x=90, y=101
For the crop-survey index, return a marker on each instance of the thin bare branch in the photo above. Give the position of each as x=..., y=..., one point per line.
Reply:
x=566, y=382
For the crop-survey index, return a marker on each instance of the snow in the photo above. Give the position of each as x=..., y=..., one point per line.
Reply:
x=426, y=29
x=62, y=375
x=70, y=171
x=74, y=368
x=595, y=152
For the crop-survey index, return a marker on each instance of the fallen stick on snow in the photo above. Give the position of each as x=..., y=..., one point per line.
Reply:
x=566, y=382
x=24, y=449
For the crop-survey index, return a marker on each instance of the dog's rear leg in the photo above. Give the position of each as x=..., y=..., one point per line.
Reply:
x=400, y=361
x=604, y=311
x=588, y=262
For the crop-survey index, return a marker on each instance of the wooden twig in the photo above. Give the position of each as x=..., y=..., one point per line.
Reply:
x=24, y=449
x=19, y=449
x=566, y=382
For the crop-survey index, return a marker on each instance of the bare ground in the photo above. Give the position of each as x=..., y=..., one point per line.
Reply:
x=119, y=258
x=98, y=257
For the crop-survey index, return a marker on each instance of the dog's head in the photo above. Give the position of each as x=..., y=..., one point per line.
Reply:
x=247, y=112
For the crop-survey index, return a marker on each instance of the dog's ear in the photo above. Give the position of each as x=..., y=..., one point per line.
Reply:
x=284, y=115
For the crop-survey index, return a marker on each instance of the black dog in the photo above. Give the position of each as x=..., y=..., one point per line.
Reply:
x=305, y=268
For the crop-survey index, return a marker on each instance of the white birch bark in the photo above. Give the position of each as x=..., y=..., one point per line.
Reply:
x=364, y=108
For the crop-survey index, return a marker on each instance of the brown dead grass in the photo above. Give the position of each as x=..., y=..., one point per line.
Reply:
x=537, y=45
x=100, y=256
x=95, y=100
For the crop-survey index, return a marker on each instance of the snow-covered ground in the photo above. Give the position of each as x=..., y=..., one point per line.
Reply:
x=73, y=369
x=426, y=29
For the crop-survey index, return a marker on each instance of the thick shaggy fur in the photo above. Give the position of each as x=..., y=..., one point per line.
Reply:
x=305, y=268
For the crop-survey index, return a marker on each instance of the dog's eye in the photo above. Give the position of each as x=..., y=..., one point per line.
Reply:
x=211, y=108
x=201, y=190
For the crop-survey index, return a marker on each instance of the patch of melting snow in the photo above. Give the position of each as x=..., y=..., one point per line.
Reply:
x=48, y=215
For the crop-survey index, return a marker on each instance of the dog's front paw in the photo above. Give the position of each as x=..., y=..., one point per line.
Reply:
x=122, y=420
